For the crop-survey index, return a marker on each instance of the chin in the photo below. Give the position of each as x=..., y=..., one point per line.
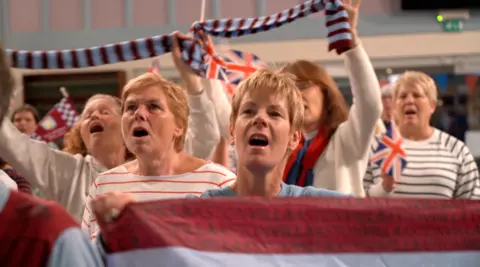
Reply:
x=256, y=166
x=139, y=149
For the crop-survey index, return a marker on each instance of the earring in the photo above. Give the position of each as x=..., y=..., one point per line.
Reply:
x=232, y=142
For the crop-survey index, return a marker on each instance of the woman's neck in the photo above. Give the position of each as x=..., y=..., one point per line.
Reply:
x=416, y=133
x=265, y=185
x=163, y=165
x=110, y=158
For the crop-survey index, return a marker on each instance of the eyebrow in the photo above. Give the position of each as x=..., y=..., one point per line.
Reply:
x=274, y=106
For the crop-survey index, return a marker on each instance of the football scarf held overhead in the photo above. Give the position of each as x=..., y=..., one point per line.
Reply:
x=194, y=50
x=343, y=232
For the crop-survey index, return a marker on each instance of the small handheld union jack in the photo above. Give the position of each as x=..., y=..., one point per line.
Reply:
x=390, y=154
x=242, y=58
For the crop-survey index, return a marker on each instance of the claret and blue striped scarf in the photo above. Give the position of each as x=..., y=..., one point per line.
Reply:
x=194, y=49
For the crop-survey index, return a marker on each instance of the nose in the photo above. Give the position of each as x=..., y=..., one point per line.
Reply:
x=95, y=115
x=141, y=113
x=260, y=119
x=409, y=98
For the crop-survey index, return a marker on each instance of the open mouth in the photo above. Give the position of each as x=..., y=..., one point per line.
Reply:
x=258, y=140
x=96, y=128
x=410, y=112
x=139, y=132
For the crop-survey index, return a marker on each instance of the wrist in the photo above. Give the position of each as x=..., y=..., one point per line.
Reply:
x=192, y=85
x=355, y=39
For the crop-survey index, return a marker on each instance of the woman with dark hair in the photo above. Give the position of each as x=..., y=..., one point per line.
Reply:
x=334, y=149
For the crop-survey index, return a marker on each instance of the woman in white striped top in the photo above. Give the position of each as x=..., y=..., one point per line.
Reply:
x=438, y=164
x=154, y=125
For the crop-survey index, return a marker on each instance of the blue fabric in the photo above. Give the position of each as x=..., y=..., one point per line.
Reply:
x=4, y=195
x=286, y=191
x=74, y=249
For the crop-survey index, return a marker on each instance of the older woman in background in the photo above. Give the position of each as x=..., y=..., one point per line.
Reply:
x=66, y=178
x=154, y=127
x=438, y=165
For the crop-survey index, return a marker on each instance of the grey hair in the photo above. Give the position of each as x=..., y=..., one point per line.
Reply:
x=386, y=90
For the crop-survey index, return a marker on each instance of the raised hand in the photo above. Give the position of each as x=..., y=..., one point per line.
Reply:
x=6, y=83
x=189, y=78
x=352, y=7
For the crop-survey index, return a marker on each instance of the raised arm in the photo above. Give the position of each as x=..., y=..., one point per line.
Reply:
x=53, y=171
x=220, y=101
x=203, y=134
x=203, y=131
x=357, y=132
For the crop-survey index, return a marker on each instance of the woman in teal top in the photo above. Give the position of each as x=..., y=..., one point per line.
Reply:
x=266, y=120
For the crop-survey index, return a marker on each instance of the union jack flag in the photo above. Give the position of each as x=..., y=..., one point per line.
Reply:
x=251, y=61
x=215, y=70
x=390, y=154
x=155, y=67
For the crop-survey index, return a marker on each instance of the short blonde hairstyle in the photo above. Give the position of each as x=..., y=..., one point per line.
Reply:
x=416, y=78
x=276, y=83
x=176, y=100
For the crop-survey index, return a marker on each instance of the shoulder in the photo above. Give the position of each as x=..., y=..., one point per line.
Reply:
x=119, y=170
x=48, y=217
x=311, y=191
x=116, y=173
x=217, y=171
x=450, y=143
x=221, y=192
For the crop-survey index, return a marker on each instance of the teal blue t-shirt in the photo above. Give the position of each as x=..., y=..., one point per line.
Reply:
x=286, y=191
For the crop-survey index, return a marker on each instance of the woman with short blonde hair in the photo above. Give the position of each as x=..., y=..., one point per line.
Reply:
x=438, y=164
x=154, y=127
x=265, y=126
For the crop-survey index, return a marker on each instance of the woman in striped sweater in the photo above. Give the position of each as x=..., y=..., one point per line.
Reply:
x=154, y=125
x=438, y=164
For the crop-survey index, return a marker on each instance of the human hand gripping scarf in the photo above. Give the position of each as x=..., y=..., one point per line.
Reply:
x=194, y=49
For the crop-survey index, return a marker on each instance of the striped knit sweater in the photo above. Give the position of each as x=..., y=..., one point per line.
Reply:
x=439, y=167
x=145, y=188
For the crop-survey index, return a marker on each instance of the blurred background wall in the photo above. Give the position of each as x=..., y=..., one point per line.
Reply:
x=396, y=39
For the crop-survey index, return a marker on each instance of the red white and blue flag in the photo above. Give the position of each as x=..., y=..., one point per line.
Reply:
x=390, y=154
x=334, y=232
x=235, y=76
x=155, y=67
x=241, y=58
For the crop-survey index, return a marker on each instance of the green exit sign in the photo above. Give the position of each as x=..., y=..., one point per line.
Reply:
x=452, y=25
